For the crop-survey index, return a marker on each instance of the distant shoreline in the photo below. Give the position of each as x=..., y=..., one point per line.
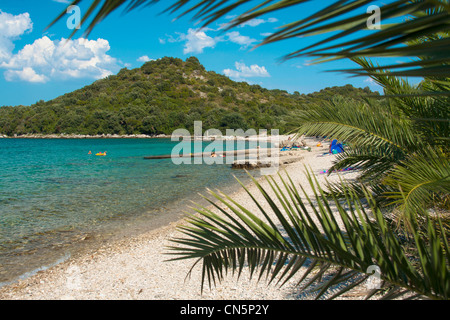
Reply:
x=132, y=136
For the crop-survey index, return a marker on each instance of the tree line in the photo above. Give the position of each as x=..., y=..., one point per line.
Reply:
x=162, y=96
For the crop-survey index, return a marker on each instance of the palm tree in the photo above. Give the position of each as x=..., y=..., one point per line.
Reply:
x=343, y=19
x=307, y=232
x=388, y=143
x=402, y=150
x=333, y=235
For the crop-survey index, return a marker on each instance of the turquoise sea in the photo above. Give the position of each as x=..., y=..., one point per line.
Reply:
x=56, y=199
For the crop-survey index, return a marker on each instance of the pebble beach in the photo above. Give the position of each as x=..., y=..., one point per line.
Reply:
x=139, y=267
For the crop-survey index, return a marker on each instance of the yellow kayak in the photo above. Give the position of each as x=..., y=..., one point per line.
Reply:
x=101, y=154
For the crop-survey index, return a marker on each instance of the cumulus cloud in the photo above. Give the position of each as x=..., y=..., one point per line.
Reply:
x=47, y=59
x=243, y=71
x=197, y=40
x=11, y=28
x=250, y=23
x=256, y=22
x=240, y=39
x=26, y=74
x=144, y=59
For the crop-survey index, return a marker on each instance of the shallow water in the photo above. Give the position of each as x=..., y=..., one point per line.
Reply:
x=55, y=198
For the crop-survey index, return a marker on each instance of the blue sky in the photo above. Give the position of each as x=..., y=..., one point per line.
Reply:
x=37, y=64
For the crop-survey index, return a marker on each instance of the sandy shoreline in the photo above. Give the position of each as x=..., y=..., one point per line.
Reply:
x=136, y=268
x=129, y=136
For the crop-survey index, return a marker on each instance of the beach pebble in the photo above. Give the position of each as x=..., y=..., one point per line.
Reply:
x=138, y=267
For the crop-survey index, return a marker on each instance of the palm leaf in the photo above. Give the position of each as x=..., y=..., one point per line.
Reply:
x=305, y=231
x=430, y=17
x=363, y=125
x=418, y=178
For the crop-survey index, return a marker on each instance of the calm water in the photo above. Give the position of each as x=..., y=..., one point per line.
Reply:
x=55, y=198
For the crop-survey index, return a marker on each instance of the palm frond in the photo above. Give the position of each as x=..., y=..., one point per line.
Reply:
x=418, y=178
x=409, y=98
x=374, y=187
x=372, y=164
x=323, y=238
x=344, y=18
x=361, y=125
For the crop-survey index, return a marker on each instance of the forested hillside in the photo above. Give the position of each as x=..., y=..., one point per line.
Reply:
x=164, y=95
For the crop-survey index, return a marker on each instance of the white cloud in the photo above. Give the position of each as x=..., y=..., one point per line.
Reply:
x=243, y=71
x=250, y=23
x=11, y=28
x=181, y=37
x=47, y=59
x=236, y=37
x=256, y=22
x=26, y=74
x=144, y=59
x=197, y=40
x=14, y=26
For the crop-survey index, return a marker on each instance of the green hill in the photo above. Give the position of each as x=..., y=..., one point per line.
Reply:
x=161, y=96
